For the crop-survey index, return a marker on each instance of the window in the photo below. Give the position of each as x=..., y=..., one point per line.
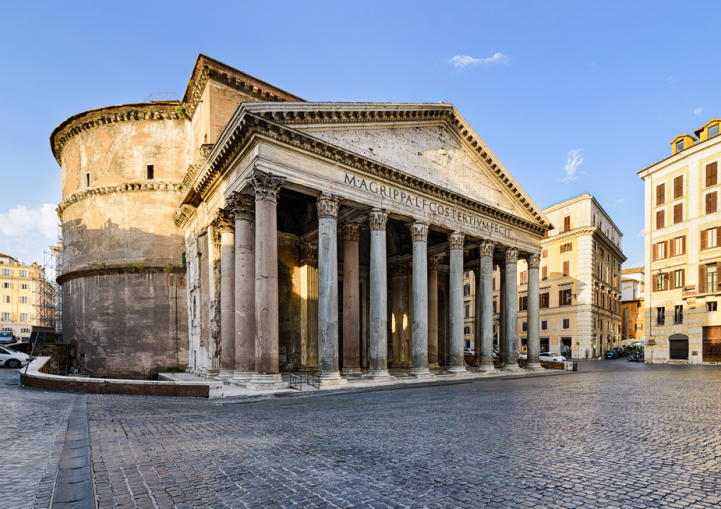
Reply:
x=23, y=317
x=678, y=213
x=149, y=172
x=679, y=146
x=544, y=253
x=709, y=238
x=660, y=219
x=524, y=326
x=711, y=306
x=713, y=131
x=566, y=268
x=708, y=277
x=679, y=279
x=566, y=223
x=466, y=290
x=23, y=273
x=660, y=250
x=600, y=324
x=660, y=194
x=660, y=316
x=545, y=301
x=678, y=246
x=468, y=311
x=6, y=299
x=544, y=273
x=565, y=248
x=678, y=314
x=660, y=282
x=87, y=180
x=564, y=297
x=24, y=330
x=494, y=283
x=711, y=203
x=495, y=306
x=523, y=303
x=24, y=299
x=566, y=324
x=6, y=317
x=23, y=286
x=7, y=272
x=711, y=174
x=678, y=187
x=467, y=331
x=7, y=285
x=544, y=324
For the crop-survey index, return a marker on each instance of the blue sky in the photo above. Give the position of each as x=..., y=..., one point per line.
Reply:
x=572, y=96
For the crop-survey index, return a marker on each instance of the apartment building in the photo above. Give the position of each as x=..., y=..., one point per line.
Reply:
x=25, y=302
x=683, y=250
x=633, y=287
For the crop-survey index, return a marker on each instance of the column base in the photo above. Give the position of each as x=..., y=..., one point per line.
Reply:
x=330, y=378
x=212, y=372
x=487, y=369
x=225, y=375
x=457, y=370
x=241, y=377
x=535, y=366
x=379, y=375
x=264, y=382
x=512, y=367
x=433, y=365
x=422, y=373
x=351, y=371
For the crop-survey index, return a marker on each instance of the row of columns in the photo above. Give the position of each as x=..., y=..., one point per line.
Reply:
x=249, y=295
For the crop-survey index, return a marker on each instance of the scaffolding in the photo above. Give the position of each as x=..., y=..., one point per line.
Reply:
x=47, y=295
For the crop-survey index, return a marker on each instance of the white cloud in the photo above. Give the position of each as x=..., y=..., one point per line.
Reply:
x=21, y=224
x=698, y=111
x=464, y=61
x=641, y=233
x=572, y=164
x=671, y=79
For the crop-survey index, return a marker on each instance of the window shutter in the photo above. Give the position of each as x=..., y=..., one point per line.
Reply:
x=655, y=252
x=678, y=187
x=660, y=194
x=718, y=236
x=570, y=246
x=683, y=278
x=673, y=248
x=560, y=298
x=659, y=219
x=718, y=279
x=677, y=213
x=703, y=239
x=683, y=244
x=711, y=174
x=714, y=204
x=702, y=279
x=666, y=277
x=566, y=223
x=665, y=248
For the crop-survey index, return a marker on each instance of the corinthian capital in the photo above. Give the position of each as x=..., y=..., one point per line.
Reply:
x=242, y=206
x=377, y=220
x=534, y=261
x=309, y=251
x=419, y=231
x=511, y=255
x=455, y=240
x=352, y=231
x=266, y=185
x=486, y=248
x=434, y=262
x=328, y=205
x=223, y=221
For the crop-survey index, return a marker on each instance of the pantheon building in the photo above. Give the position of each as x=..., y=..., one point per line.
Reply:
x=243, y=232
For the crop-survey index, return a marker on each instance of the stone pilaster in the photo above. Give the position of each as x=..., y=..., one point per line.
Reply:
x=433, y=312
x=486, y=299
x=455, y=304
x=309, y=306
x=534, y=340
x=267, y=373
x=503, y=314
x=511, y=309
x=351, y=300
x=478, y=311
x=225, y=224
x=243, y=210
x=328, y=372
x=401, y=336
x=378, y=363
x=419, y=299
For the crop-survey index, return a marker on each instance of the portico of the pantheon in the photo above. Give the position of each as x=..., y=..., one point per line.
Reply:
x=333, y=238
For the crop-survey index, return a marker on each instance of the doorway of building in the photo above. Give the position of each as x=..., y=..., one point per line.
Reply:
x=678, y=347
x=712, y=344
x=566, y=347
x=545, y=344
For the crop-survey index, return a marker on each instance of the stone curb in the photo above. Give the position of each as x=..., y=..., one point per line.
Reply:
x=243, y=400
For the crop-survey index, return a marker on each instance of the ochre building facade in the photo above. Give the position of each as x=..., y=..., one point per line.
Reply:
x=288, y=235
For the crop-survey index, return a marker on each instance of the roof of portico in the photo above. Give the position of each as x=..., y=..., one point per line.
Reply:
x=293, y=123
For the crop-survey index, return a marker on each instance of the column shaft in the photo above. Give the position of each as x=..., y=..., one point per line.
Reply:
x=511, y=308
x=351, y=301
x=244, y=207
x=455, y=304
x=486, y=298
x=478, y=307
x=378, y=363
x=503, y=313
x=419, y=314
x=227, y=296
x=433, y=312
x=534, y=341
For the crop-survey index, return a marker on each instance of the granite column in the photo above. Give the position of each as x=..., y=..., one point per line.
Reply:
x=351, y=300
x=419, y=299
x=511, y=309
x=486, y=299
x=455, y=303
x=378, y=361
x=534, y=341
x=225, y=224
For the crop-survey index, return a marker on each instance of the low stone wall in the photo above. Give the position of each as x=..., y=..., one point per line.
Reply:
x=568, y=365
x=37, y=378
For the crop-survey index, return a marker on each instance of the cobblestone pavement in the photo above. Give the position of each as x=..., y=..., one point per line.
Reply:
x=33, y=425
x=615, y=434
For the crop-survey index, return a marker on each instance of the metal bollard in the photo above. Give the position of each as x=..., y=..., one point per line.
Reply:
x=575, y=366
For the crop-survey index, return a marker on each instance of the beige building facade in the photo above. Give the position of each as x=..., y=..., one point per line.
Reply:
x=26, y=299
x=683, y=251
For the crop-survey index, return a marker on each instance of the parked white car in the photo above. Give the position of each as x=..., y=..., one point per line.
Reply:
x=12, y=359
x=553, y=357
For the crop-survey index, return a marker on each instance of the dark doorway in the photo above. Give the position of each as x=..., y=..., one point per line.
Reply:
x=678, y=347
x=712, y=344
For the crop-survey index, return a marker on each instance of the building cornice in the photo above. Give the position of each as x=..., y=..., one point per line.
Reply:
x=81, y=122
x=119, y=269
x=123, y=188
x=580, y=232
x=248, y=124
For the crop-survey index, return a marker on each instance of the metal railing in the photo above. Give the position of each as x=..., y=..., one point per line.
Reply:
x=296, y=382
x=312, y=380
